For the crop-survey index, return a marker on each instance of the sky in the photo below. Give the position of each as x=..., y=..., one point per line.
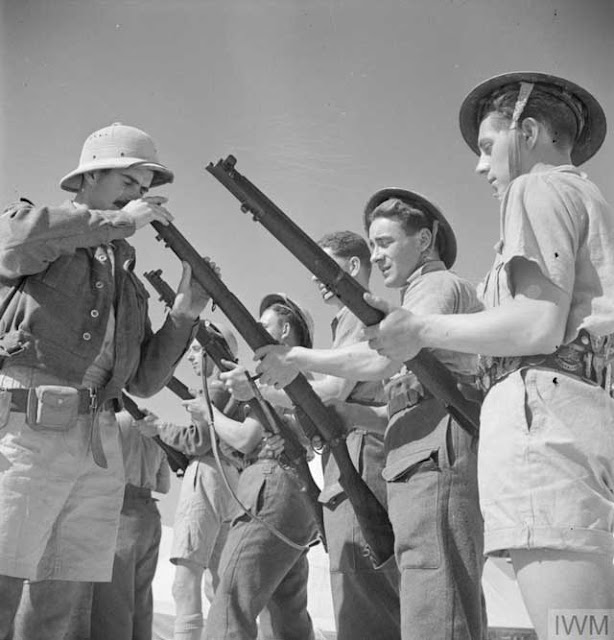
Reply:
x=322, y=103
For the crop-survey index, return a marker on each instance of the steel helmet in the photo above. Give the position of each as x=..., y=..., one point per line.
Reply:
x=117, y=147
x=446, y=240
x=302, y=315
x=588, y=112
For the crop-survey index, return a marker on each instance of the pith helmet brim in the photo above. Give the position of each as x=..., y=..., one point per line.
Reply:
x=447, y=238
x=591, y=136
x=117, y=146
x=302, y=314
x=72, y=180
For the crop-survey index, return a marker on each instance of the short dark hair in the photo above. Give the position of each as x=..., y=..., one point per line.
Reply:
x=560, y=115
x=347, y=244
x=410, y=218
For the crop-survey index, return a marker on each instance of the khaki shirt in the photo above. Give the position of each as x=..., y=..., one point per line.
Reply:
x=145, y=463
x=557, y=218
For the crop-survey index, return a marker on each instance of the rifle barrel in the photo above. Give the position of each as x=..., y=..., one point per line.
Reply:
x=432, y=374
x=375, y=524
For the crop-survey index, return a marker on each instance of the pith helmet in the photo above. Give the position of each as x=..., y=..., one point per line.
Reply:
x=445, y=234
x=302, y=315
x=589, y=114
x=117, y=147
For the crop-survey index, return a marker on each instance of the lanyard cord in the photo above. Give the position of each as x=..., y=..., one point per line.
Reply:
x=216, y=454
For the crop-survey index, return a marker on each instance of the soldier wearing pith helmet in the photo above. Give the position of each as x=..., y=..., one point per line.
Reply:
x=546, y=459
x=74, y=332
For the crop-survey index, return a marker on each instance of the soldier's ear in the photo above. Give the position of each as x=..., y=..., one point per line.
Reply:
x=426, y=237
x=530, y=129
x=285, y=331
x=354, y=264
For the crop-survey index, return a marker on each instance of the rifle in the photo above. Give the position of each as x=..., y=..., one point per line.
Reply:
x=177, y=460
x=294, y=454
x=432, y=374
x=370, y=514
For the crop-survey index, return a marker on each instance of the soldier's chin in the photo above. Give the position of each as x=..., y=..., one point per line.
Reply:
x=120, y=204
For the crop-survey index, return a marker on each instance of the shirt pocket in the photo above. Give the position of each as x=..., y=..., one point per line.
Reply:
x=66, y=275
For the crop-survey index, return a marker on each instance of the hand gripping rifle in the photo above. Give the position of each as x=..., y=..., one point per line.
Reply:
x=371, y=515
x=177, y=460
x=294, y=454
x=432, y=374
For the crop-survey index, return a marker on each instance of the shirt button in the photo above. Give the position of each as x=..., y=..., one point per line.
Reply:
x=102, y=258
x=99, y=285
x=94, y=313
x=87, y=336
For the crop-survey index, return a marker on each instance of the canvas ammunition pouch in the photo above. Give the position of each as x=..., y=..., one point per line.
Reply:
x=50, y=407
x=404, y=391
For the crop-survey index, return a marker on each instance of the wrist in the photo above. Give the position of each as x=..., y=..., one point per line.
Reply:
x=295, y=357
x=425, y=331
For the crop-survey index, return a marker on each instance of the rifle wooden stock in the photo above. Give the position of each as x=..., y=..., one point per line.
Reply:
x=177, y=461
x=370, y=514
x=433, y=375
x=294, y=454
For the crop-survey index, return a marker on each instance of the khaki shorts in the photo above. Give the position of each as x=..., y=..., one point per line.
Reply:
x=204, y=512
x=546, y=464
x=60, y=511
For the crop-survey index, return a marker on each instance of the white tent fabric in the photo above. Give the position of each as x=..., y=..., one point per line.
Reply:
x=503, y=601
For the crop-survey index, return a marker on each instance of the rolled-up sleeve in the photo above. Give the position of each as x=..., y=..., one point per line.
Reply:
x=539, y=227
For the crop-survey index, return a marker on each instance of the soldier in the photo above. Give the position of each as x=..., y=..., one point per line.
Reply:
x=546, y=448
x=431, y=466
x=264, y=568
x=205, y=503
x=74, y=331
x=365, y=600
x=123, y=608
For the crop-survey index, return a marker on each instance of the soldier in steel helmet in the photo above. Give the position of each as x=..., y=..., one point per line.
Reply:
x=430, y=469
x=74, y=332
x=546, y=339
x=263, y=570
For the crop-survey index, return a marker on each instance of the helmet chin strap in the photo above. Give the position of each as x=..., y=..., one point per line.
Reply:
x=514, y=149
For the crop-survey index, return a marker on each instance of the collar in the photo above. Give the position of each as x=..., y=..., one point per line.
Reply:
x=427, y=267
x=541, y=167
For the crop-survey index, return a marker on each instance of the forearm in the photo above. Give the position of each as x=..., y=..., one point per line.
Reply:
x=242, y=436
x=161, y=353
x=357, y=362
x=33, y=238
x=521, y=327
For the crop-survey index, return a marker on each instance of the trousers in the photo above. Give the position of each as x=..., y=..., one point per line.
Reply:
x=259, y=570
x=365, y=600
x=433, y=506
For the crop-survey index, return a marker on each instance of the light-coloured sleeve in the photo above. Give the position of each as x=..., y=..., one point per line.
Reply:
x=435, y=293
x=538, y=226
